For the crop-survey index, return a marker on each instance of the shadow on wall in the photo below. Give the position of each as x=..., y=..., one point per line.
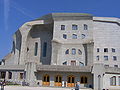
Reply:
x=42, y=34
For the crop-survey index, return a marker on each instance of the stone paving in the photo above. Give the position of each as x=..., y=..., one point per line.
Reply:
x=37, y=88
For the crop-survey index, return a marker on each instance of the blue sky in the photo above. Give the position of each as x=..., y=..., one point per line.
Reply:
x=13, y=13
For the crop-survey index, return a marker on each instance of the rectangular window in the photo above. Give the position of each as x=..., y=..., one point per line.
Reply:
x=105, y=57
x=114, y=58
x=21, y=75
x=97, y=57
x=105, y=49
x=74, y=27
x=62, y=27
x=44, y=49
x=73, y=51
x=9, y=75
x=113, y=50
x=119, y=80
x=36, y=48
x=64, y=36
x=98, y=50
x=116, y=66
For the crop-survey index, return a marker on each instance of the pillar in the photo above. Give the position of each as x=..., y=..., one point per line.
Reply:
x=30, y=68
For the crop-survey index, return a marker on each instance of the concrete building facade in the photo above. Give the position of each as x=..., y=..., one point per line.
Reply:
x=60, y=49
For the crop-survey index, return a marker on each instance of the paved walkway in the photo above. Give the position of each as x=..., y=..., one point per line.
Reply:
x=33, y=88
x=37, y=88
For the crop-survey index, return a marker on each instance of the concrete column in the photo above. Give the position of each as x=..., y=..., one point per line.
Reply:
x=30, y=73
x=6, y=76
x=98, y=71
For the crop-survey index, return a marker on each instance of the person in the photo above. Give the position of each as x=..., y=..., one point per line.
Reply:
x=77, y=86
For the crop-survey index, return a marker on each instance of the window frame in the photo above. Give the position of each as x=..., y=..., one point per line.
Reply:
x=74, y=36
x=62, y=27
x=74, y=27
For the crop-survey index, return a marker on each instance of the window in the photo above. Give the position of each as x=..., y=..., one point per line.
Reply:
x=83, y=80
x=64, y=36
x=73, y=63
x=98, y=50
x=81, y=64
x=97, y=57
x=13, y=47
x=44, y=49
x=46, y=78
x=116, y=66
x=119, y=80
x=73, y=51
x=3, y=74
x=105, y=57
x=105, y=49
x=58, y=79
x=85, y=27
x=74, y=27
x=79, y=52
x=74, y=36
x=67, y=51
x=21, y=75
x=113, y=81
x=65, y=63
x=106, y=65
x=36, y=48
x=9, y=75
x=114, y=58
x=62, y=27
x=113, y=50
x=82, y=36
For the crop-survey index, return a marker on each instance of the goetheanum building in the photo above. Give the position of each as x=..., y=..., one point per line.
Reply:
x=60, y=49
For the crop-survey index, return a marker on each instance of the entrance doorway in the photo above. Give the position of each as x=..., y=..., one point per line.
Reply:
x=46, y=80
x=71, y=81
x=58, y=81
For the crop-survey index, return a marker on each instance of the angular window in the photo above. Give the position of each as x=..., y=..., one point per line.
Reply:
x=64, y=36
x=97, y=57
x=113, y=81
x=65, y=63
x=36, y=49
x=85, y=27
x=74, y=27
x=105, y=49
x=73, y=51
x=79, y=52
x=98, y=50
x=113, y=50
x=114, y=58
x=44, y=49
x=105, y=57
x=67, y=51
x=74, y=36
x=62, y=27
x=82, y=36
x=81, y=64
x=116, y=66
